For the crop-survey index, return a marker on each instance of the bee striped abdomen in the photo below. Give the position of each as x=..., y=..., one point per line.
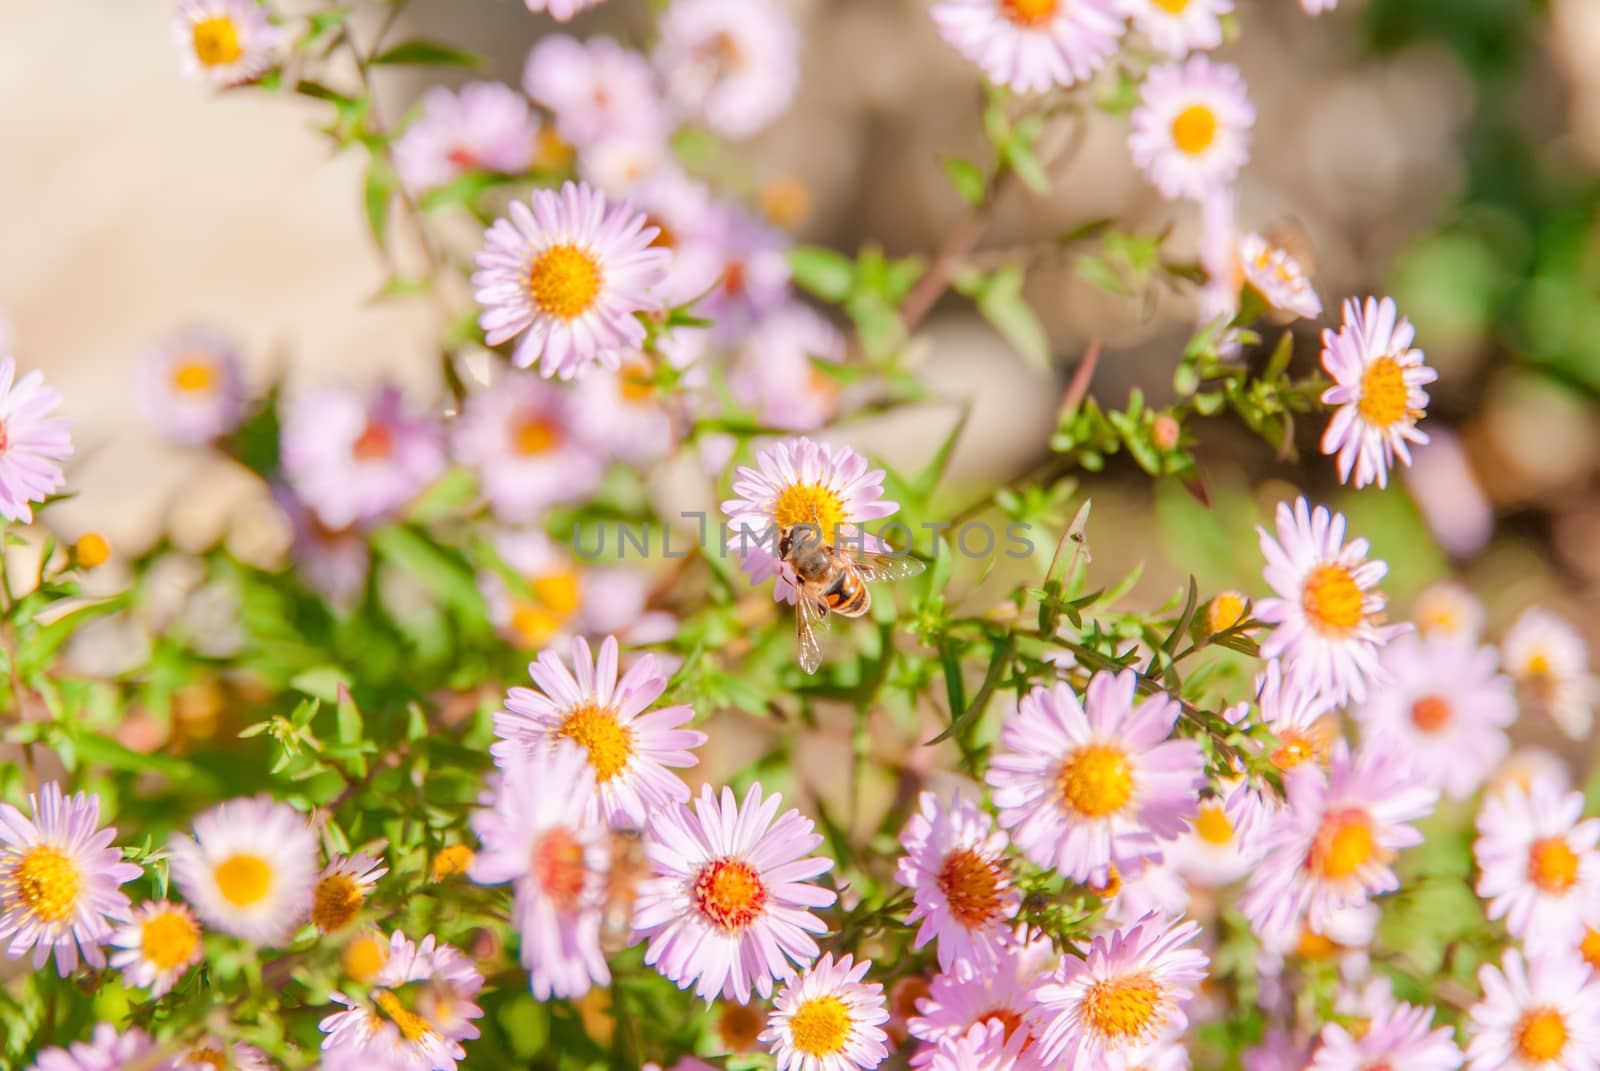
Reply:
x=847, y=595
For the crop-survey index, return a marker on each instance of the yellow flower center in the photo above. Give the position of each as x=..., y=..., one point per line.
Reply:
x=1125, y=1009
x=1541, y=1035
x=451, y=861
x=192, y=377
x=1225, y=611
x=1538, y=665
x=564, y=281
x=556, y=598
x=558, y=867
x=413, y=1027
x=336, y=902
x=244, y=880
x=534, y=625
x=168, y=940
x=91, y=550
x=1331, y=600
x=210, y=1057
x=637, y=383
x=534, y=435
x=216, y=41
x=365, y=956
x=1212, y=825
x=1343, y=844
x=1194, y=129
x=971, y=886
x=810, y=503
x=48, y=883
x=1096, y=780
x=1173, y=7
x=1313, y=945
x=729, y=893
x=1383, y=393
x=1589, y=947
x=610, y=743
x=550, y=153
x=1430, y=713
x=740, y=1026
x=1296, y=748
x=820, y=1026
x=1552, y=866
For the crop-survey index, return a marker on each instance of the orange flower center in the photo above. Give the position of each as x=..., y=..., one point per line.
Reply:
x=558, y=867
x=564, y=281
x=1552, y=866
x=729, y=893
x=49, y=883
x=1030, y=12
x=1383, y=393
x=1430, y=713
x=375, y=443
x=216, y=41
x=1541, y=1035
x=336, y=901
x=810, y=503
x=1589, y=947
x=1173, y=7
x=1125, y=1009
x=1331, y=600
x=413, y=1027
x=535, y=435
x=971, y=886
x=1212, y=825
x=820, y=1026
x=1096, y=780
x=609, y=742
x=1194, y=129
x=1343, y=845
x=168, y=940
x=244, y=880
x=193, y=376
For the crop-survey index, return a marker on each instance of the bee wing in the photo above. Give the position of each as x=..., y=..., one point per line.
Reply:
x=808, y=617
x=873, y=566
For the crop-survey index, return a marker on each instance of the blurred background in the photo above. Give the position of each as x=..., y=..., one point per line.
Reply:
x=1444, y=151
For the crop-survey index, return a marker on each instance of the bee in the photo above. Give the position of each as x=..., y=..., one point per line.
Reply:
x=831, y=579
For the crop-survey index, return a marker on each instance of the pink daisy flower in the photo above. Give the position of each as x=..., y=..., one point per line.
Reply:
x=596, y=89
x=620, y=414
x=776, y=371
x=483, y=126
x=191, y=386
x=32, y=442
x=1082, y=787
x=1190, y=134
x=1224, y=842
x=249, y=869
x=988, y=1046
x=518, y=436
x=1127, y=993
x=423, y=1002
x=1179, y=27
x=631, y=748
x=799, y=481
x=561, y=10
x=1333, y=844
x=160, y=941
x=752, y=277
x=956, y=867
x=960, y=1000
x=828, y=1019
x=1378, y=376
x=1539, y=1015
x=731, y=898
x=1446, y=707
x=540, y=834
x=1448, y=610
x=109, y=1049
x=1325, y=610
x=1302, y=719
x=1032, y=45
x=59, y=880
x=351, y=459
x=225, y=42
x=1537, y=862
x=732, y=64
x=1398, y=1036
x=568, y=272
x=1274, y=274
x=688, y=223
x=1550, y=663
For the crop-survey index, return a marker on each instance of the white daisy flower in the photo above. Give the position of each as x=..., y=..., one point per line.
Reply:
x=829, y=1020
x=1550, y=663
x=1542, y=1015
x=225, y=42
x=1378, y=378
x=157, y=945
x=1190, y=134
x=249, y=869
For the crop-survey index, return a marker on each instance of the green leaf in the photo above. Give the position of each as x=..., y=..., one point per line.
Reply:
x=443, y=573
x=463, y=191
x=380, y=187
x=424, y=53
x=321, y=682
x=968, y=179
x=1019, y=156
x=104, y=751
x=828, y=274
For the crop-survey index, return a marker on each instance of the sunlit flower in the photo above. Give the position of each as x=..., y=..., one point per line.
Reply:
x=159, y=942
x=1179, y=27
x=1190, y=134
x=59, y=880
x=1526, y=767
x=988, y=1046
x=1128, y=992
x=732, y=895
x=961, y=882
x=596, y=89
x=1082, y=787
x=688, y=224
x=752, y=278
x=483, y=126
x=1225, y=838
x=1378, y=376
x=1274, y=274
x=540, y=832
x=32, y=442
x=1032, y=45
x=1538, y=1015
x=342, y=889
x=567, y=272
x=518, y=435
x=249, y=870
x=364, y=954
x=191, y=387
x=960, y=999
x=1448, y=609
x=1538, y=864
x=225, y=42
x=1398, y=1036
x=828, y=1019
x=1446, y=706
x=421, y=1009
x=1332, y=846
x=1301, y=718
x=799, y=481
x=560, y=10
x=109, y=1049
x=621, y=414
x=354, y=459
x=1327, y=614
x=731, y=64
x=1550, y=663
x=777, y=373
x=632, y=748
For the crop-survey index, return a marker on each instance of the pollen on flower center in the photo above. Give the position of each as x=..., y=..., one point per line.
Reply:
x=1331, y=600
x=1126, y=1008
x=193, y=377
x=534, y=435
x=1173, y=7
x=1343, y=844
x=1030, y=12
x=1552, y=865
x=810, y=503
x=168, y=940
x=49, y=883
x=729, y=893
x=1383, y=393
x=375, y=443
x=1430, y=713
x=244, y=880
x=559, y=868
x=820, y=1026
x=412, y=1026
x=1296, y=748
x=564, y=281
x=1194, y=129
x=1096, y=780
x=216, y=41
x=971, y=886
x=609, y=742
x=1212, y=824
x=1541, y=1035
x=335, y=902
